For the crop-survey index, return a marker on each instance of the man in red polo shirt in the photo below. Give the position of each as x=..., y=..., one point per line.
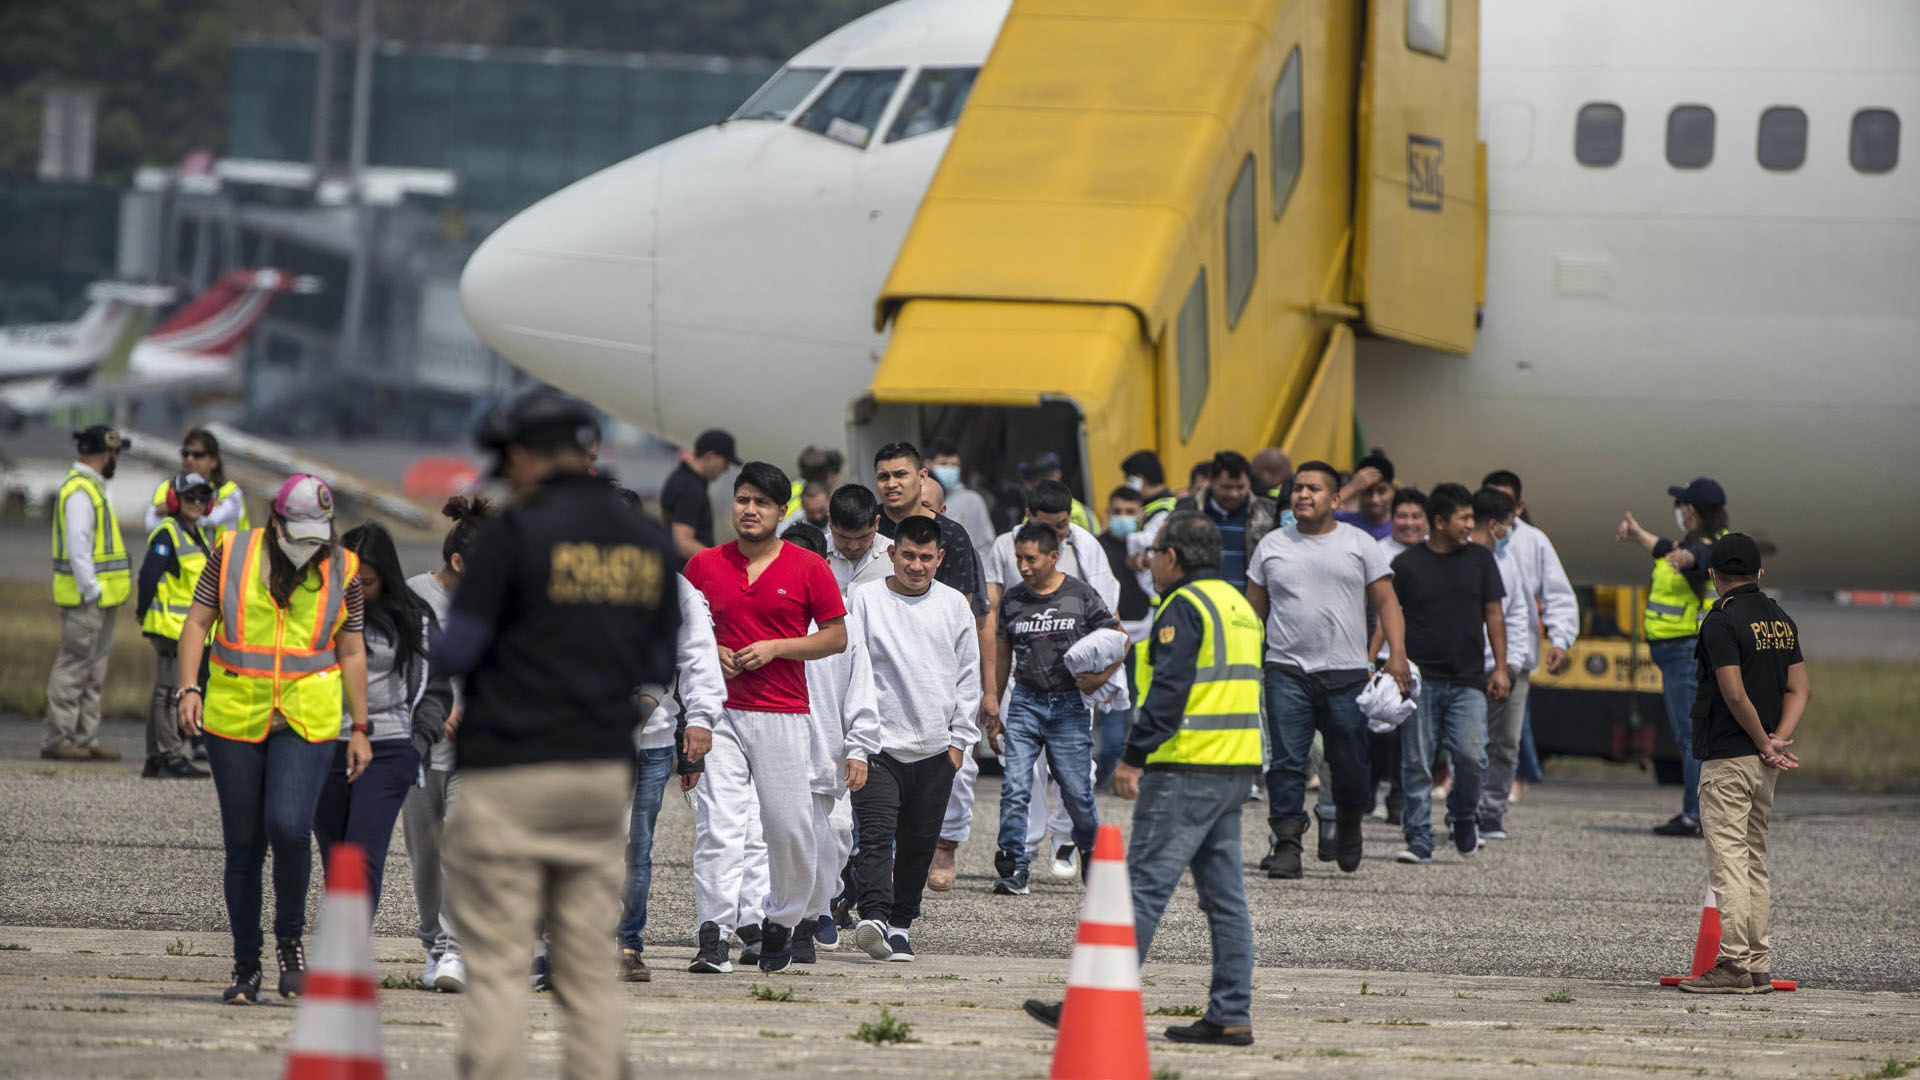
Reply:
x=764, y=592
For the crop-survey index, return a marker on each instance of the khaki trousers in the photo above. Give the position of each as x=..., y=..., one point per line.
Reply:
x=527, y=846
x=1736, y=801
x=79, y=671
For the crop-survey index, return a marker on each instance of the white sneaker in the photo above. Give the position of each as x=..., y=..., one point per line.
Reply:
x=431, y=973
x=1408, y=855
x=1066, y=862
x=451, y=976
x=871, y=935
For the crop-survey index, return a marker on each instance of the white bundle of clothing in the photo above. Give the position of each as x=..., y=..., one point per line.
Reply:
x=1384, y=706
x=1097, y=652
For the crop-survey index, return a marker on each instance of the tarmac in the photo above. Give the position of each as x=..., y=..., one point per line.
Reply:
x=113, y=951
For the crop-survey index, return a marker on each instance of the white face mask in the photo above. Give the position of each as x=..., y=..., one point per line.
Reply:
x=298, y=552
x=1137, y=483
x=1680, y=517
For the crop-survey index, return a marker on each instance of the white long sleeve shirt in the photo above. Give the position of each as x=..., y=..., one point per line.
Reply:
x=924, y=693
x=1517, y=608
x=77, y=513
x=702, y=688
x=1544, y=582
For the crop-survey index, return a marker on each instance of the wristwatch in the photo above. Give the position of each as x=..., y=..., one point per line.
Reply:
x=362, y=729
x=182, y=691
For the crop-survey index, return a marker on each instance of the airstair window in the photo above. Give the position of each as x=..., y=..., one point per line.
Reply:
x=1875, y=144
x=1427, y=27
x=1690, y=137
x=1243, y=246
x=1191, y=339
x=1286, y=133
x=934, y=102
x=849, y=108
x=781, y=95
x=1598, y=133
x=1783, y=138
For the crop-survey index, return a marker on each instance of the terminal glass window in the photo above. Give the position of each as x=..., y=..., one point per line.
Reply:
x=1243, y=246
x=781, y=95
x=1597, y=134
x=1427, y=27
x=1690, y=137
x=1286, y=133
x=1875, y=144
x=849, y=108
x=1783, y=138
x=1191, y=339
x=934, y=102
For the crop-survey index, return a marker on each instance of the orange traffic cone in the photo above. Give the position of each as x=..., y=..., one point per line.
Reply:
x=1706, y=947
x=1103, y=1028
x=336, y=1029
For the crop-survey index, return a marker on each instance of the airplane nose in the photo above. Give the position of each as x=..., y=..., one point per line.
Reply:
x=565, y=289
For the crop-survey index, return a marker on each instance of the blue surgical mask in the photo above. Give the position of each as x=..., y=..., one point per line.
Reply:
x=1121, y=525
x=1286, y=519
x=948, y=475
x=1500, y=545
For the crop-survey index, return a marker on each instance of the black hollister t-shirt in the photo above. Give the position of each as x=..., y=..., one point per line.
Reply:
x=1745, y=629
x=1042, y=629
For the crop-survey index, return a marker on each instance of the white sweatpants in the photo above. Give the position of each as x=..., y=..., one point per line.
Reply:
x=833, y=842
x=755, y=840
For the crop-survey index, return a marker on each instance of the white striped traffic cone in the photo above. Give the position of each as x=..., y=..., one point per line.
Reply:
x=1103, y=1027
x=336, y=1029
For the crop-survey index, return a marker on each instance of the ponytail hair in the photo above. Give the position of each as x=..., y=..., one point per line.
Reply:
x=466, y=512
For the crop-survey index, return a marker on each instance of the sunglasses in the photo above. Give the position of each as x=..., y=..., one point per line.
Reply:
x=195, y=454
x=201, y=498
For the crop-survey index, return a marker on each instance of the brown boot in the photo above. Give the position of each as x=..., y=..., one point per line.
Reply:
x=1723, y=978
x=103, y=752
x=940, y=874
x=66, y=751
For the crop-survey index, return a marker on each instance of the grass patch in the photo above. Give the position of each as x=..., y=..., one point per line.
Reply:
x=1176, y=1010
x=1892, y=1070
x=1334, y=1020
x=73, y=1008
x=1366, y=990
x=30, y=636
x=885, y=1031
x=1166, y=1072
x=1562, y=996
x=1505, y=1027
x=14, y=946
x=776, y=1034
x=1398, y=1021
x=965, y=1005
x=401, y=982
x=1575, y=1029
x=179, y=947
x=1464, y=996
x=770, y=993
x=1866, y=725
x=1331, y=1052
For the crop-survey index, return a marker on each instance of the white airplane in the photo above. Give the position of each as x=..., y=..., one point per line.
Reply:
x=45, y=367
x=1660, y=304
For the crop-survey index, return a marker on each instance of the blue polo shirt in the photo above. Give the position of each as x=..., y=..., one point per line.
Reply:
x=1233, y=542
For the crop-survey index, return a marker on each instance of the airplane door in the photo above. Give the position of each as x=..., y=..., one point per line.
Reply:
x=1417, y=213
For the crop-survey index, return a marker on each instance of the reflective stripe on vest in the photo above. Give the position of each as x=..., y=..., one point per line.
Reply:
x=1221, y=723
x=276, y=659
x=173, y=597
x=1674, y=610
x=112, y=570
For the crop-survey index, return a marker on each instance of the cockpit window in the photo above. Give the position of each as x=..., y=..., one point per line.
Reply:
x=934, y=103
x=850, y=107
x=781, y=95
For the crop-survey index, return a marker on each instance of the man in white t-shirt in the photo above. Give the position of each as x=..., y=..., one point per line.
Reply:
x=1312, y=582
x=1409, y=522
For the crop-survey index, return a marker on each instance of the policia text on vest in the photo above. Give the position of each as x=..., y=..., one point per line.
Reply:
x=1199, y=679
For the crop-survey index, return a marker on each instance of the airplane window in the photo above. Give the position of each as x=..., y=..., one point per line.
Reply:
x=1690, y=137
x=781, y=95
x=1286, y=132
x=1597, y=134
x=934, y=103
x=1875, y=145
x=847, y=110
x=1427, y=27
x=1191, y=340
x=1243, y=248
x=1783, y=138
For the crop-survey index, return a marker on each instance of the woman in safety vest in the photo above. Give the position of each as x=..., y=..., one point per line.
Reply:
x=176, y=550
x=200, y=453
x=1676, y=602
x=285, y=609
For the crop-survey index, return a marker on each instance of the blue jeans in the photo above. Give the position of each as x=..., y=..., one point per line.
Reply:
x=1455, y=716
x=1113, y=727
x=267, y=793
x=1191, y=819
x=1678, y=671
x=1296, y=707
x=1059, y=724
x=363, y=812
x=1528, y=767
x=653, y=768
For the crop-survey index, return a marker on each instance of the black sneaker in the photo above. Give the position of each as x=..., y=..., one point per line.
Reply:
x=842, y=911
x=179, y=768
x=1679, y=825
x=1047, y=1012
x=803, y=943
x=293, y=967
x=1492, y=829
x=749, y=945
x=246, y=986
x=1327, y=849
x=199, y=748
x=540, y=976
x=776, y=947
x=1004, y=862
x=712, y=957
x=1206, y=1031
x=151, y=769
x=1014, y=884
x=1466, y=838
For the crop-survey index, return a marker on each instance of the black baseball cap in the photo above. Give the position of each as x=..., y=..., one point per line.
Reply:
x=1701, y=492
x=716, y=441
x=100, y=439
x=539, y=414
x=1736, y=555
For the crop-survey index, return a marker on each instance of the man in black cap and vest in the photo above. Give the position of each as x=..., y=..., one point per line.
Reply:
x=92, y=578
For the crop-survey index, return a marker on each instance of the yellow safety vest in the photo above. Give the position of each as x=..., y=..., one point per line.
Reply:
x=1080, y=516
x=1221, y=725
x=173, y=598
x=111, y=568
x=793, y=503
x=1674, y=610
x=211, y=532
x=271, y=659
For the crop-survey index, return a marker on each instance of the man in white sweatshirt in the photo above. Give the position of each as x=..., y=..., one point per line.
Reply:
x=918, y=637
